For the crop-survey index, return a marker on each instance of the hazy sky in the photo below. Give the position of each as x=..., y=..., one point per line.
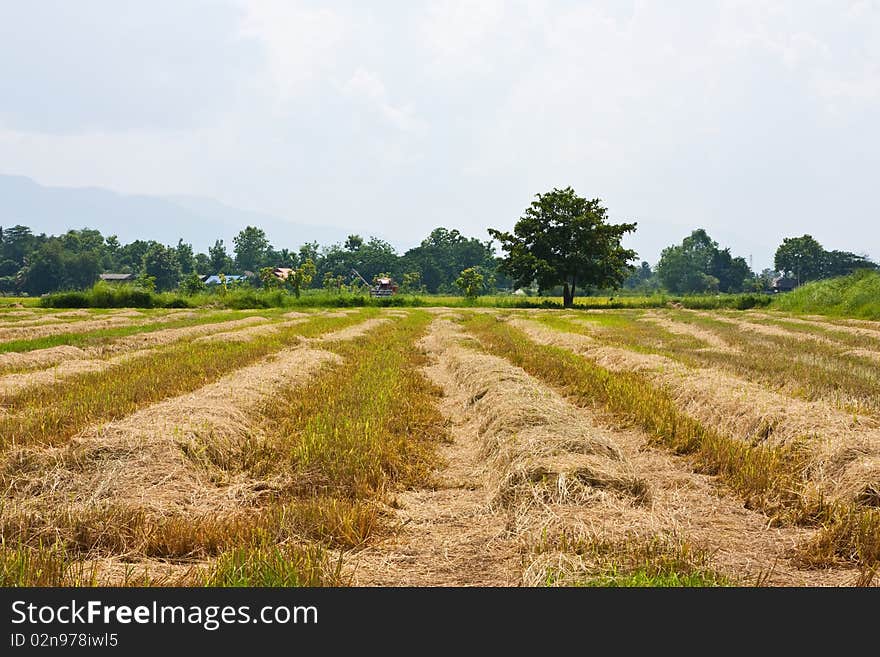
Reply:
x=755, y=120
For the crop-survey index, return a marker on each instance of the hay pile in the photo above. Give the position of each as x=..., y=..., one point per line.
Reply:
x=167, y=336
x=538, y=448
x=775, y=331
x=858, y=330
x=337, y=313
x=843, y=449
x=248, y=334
x=865, y=353
x=18, y=313
x=41, y=357
x=8, y=323
x=61, y=354
x=32, y=318
x=12, y=384
x=41, y=329
x=351, y=332
x=870, y=324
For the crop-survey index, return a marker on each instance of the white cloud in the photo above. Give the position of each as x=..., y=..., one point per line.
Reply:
x=301, y=43
x=367, y=87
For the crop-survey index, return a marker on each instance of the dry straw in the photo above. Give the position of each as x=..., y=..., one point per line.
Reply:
x=251, y=333
x=774, y=331
x=538, y=447
x=155, y=459
x=714, y=342
x=842, y=449
x=12, y=384
x=350, y=332
x=182, y=461
x=54, y=355
x=83, y=326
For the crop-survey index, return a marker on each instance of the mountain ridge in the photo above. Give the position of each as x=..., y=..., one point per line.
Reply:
x=197, y=220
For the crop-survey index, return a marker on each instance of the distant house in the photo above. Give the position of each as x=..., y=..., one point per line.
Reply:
x=117, y=278
x=230, y=278
x=281, y=273
x=783, y=284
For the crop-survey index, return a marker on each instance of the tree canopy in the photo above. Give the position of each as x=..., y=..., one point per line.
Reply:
x=698, y=265
x=565, y=239
x=250, y=248
x=443, y=255
x=801, y=257
x=804, y=259
x=161, y=263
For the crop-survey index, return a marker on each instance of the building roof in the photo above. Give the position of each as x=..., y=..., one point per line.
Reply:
x=116, y=277
x=215, y=279
x=783, y=283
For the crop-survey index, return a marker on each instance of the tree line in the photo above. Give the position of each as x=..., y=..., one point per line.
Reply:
x=561, y=245
x=699, y=265
x=39, y=263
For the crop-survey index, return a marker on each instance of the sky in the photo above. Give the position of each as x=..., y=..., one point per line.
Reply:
x=755, y=120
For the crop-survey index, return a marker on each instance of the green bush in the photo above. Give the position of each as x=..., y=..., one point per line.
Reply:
x=104, y=295
x=66, y=300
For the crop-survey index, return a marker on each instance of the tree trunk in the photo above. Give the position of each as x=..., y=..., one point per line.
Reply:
x=567, y=295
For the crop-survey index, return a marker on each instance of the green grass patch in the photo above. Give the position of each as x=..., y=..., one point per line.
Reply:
x=856, y=295
x=648, y=578
x=288, y=566
x=22, y=565
x=592, y=561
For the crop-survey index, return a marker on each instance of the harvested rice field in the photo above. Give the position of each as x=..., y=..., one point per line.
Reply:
x=438, y=447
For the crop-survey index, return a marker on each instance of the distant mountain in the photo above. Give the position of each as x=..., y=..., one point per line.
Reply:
x=199, y=221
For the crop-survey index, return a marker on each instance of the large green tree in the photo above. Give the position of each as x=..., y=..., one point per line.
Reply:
x=565, y=239
x=685, y=267
x=251, y=246
x=16, y=242
x=131, y=256
x=219, y=259
x=161, y=263
x=698, y=265
x=471, y=282
x=45, y=271
x=841, y=263
x=443, y=255
x=185, y=257
x=643, y=278
x=81, y=270
x=805, y=259
x=801, y=257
